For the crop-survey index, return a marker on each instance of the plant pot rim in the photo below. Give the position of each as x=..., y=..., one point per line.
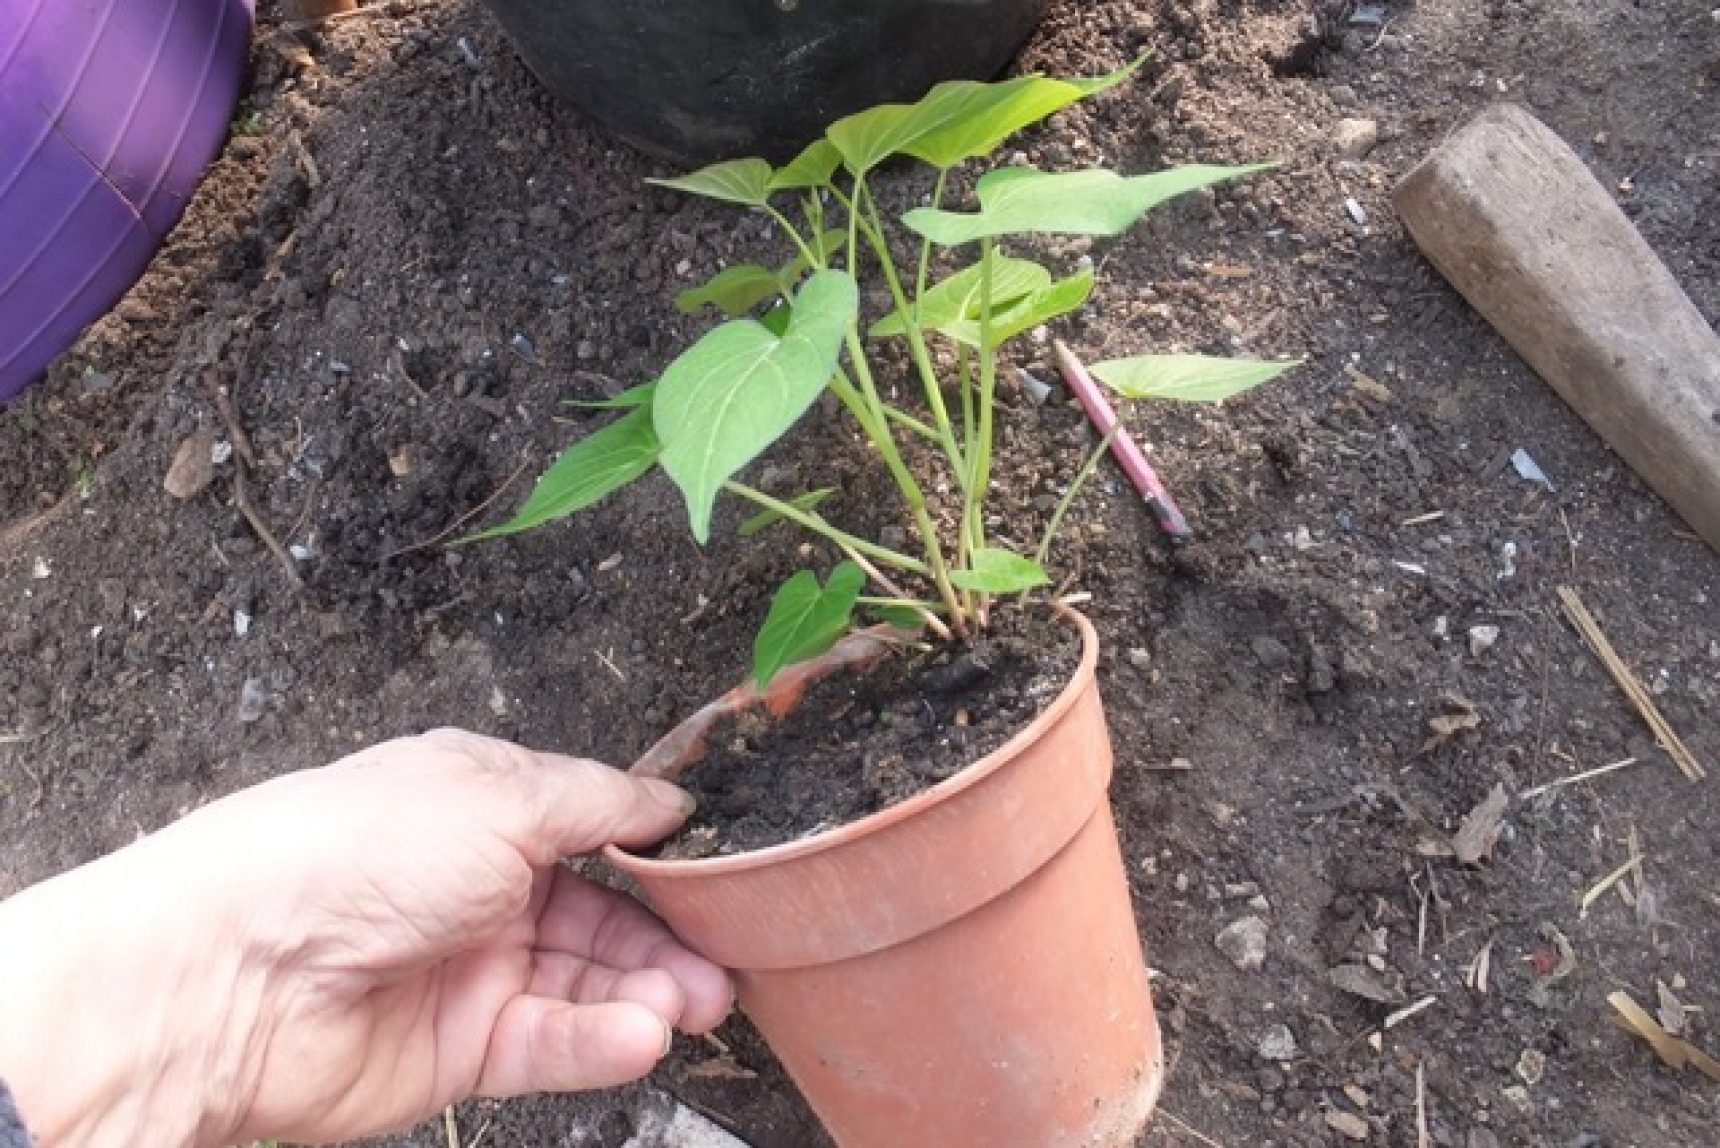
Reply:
x=966, y=778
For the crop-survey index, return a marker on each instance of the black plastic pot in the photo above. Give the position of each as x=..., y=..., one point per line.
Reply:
x=699, y=80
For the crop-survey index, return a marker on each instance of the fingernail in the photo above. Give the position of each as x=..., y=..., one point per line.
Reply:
x=671, y=795
x=668, y=1041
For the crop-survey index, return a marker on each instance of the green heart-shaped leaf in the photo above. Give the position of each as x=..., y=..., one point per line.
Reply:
x=811, y=168
x=595, y=466
x=1027, y=312
x=805, y=619
x=743, y=181
x=958, y=297
x=1024, y=200
x=1185, y=378
x=733, y=290
x=739, y=389
x=959, y=120
x=993, y=570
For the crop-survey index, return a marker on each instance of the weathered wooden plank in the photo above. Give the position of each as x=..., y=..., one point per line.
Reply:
x=1513, y=219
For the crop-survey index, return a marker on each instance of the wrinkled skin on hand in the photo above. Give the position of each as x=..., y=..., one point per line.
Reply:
x=348, y=950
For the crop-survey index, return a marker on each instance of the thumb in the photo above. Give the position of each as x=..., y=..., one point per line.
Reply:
x=542, y=1045
x=552, y=806
x=583, y=805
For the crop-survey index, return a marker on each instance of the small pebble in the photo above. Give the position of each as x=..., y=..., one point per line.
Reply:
x=1278, y=1043
x=1355, y=138
x=1347, y=1124
x=253, y=700
x=1482, y=639
x=1244, y=942
x=193, y=467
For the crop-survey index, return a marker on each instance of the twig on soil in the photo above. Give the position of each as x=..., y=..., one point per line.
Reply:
x=305, y=511
x=1627, y=681
x=244, y=458
x=450, y=1127
x=1586, y=775
x=1174, y=765
x=1190, y=1129
x=1423, y=519
x=307, y=163
x=1421, y=1137
x=41, y=793
x=242, y=500
x=1422, y=899
x=1599, y=888
x=462, y=520
x=608, y=660
x=1408, y=1011
x=1674, y=1052
x=14, y=533
x=397, y=367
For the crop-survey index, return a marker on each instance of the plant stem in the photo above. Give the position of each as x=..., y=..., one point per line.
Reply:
x=806, y=251
x=964, y=373
x=933, y=623
x=880, y=600
x=878, y=430
x=903, y=418
x=1068, y=499
x=979, y=450
x=922, y=356
x=819, y=526
x=926, y=245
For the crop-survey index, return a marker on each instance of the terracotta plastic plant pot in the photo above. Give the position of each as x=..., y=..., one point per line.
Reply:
x=704, y=80
x=959, y=969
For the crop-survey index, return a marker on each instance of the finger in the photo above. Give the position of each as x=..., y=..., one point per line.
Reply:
x=553, y=806
x=541, y=1045
x=614, y=930
x=577, y=980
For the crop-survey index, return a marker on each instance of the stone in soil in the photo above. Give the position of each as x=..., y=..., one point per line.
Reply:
x=1244, y=942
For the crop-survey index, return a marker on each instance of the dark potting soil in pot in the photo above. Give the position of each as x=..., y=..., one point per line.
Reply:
x=861, y=743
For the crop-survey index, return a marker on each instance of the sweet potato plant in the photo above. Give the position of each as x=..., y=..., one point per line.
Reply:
x=796, y=330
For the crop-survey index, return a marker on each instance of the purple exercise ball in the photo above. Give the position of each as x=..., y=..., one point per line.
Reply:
x=109, y=112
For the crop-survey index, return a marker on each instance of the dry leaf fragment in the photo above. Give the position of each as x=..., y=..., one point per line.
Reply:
x=1476, y=975
x=1368, y=385
x=1480, y=830
x=1462, y=716
x=1670, y=1011
x=1347, y=1124
x=1673, y=1052
x=1361, y=981
x=721, y=1068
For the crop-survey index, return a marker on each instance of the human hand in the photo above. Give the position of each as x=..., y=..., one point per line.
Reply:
x=347, y=950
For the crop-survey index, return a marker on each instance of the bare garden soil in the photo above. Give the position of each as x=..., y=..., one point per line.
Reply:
x=411, y=254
